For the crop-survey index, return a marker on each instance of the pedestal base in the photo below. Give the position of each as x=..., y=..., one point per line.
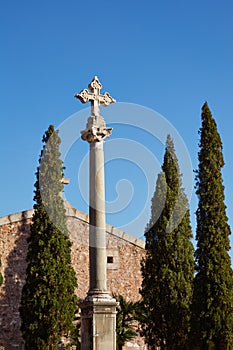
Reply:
x=98, y=323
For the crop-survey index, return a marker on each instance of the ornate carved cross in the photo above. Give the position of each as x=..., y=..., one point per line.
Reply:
x=95, y=97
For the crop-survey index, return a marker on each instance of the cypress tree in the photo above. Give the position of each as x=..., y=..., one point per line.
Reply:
x=1, y=278
x=48, y=301
x=168, y=266
x=212, y=321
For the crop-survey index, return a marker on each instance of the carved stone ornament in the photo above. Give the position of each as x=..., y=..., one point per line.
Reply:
x=95, y=97
x=96, y=130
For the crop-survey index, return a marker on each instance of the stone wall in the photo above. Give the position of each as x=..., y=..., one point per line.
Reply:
x=124, y=253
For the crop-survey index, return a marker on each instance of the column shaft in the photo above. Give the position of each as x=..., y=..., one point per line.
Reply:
x=97, y=231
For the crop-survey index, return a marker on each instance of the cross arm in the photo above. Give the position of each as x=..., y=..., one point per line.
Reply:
x=85, y=96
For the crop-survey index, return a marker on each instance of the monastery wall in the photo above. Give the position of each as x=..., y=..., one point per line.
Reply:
x=124, y=253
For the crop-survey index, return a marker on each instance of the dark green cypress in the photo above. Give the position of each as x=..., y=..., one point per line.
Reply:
x=212, y=321
x=48, y=301
x=168, y=267
x=1, y=278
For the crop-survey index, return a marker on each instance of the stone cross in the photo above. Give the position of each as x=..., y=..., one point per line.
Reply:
x=95, y=97
x=98, y=310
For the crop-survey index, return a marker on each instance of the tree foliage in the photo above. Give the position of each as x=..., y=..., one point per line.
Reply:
x=212, y=321
x=168, y=267
x=1, y=278
x=48, y=301
x=125, y=320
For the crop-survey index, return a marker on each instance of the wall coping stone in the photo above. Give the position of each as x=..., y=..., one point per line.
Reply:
x=73, y=212
x=20, y=216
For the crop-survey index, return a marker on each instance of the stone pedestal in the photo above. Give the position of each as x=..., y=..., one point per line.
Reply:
x=98, y=331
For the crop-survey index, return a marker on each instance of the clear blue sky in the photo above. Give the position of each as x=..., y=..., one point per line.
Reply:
x=169, y=56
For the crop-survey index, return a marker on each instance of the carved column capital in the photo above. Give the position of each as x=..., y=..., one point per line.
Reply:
x=96, y=130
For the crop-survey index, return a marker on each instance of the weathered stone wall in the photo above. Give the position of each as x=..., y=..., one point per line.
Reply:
x=13, y=248
x=123, y=274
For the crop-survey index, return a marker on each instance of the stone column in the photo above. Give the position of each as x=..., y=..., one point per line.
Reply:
x=98, y=310
x=97, y=241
